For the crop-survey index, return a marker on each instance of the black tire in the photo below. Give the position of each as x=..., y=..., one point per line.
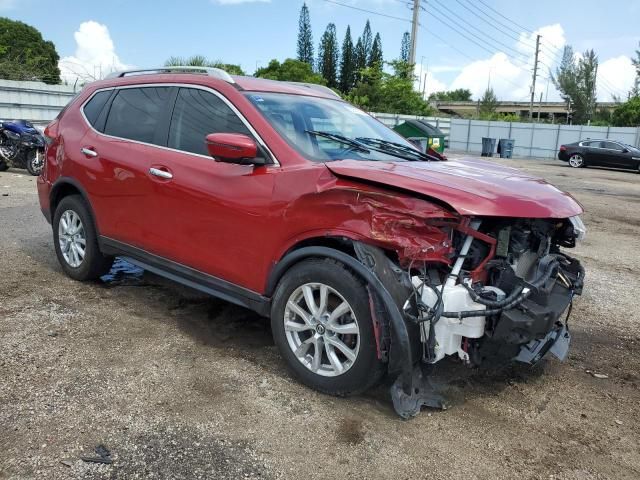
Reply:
x=34, y=167
x=366, y=370
x=576, y=160
x=94, y=264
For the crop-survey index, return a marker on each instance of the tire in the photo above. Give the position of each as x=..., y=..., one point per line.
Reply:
x=34, y=161
x=576, y=161
x=3, y=166
x=361, y=369
x=73, y=212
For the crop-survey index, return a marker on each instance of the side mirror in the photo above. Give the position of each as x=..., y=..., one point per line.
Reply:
x=233, y=148
x=625, y=150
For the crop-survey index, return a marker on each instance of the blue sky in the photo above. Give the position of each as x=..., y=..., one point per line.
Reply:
x=96, y=35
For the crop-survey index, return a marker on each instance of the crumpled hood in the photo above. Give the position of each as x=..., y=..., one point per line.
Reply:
x=470, y=186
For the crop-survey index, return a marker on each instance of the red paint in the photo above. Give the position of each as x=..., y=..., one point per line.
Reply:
x=231, y=146
x=236, y=221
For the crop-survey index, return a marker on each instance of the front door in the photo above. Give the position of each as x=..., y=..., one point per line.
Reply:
x=210, y=216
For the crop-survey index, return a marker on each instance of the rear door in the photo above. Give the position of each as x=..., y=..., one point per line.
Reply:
x=616, y=155
x=593, y=154
x=119, y=149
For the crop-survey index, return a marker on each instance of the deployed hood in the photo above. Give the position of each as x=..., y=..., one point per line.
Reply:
x=469, y=186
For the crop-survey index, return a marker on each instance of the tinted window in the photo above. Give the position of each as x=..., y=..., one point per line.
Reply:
x=198, y=113
x=135, y=113
x=93, y=108
x=611, y=146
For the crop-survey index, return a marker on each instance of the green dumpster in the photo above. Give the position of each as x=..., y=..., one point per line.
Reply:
x=420, y=129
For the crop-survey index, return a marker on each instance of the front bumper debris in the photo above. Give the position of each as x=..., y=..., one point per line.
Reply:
x=556, y=342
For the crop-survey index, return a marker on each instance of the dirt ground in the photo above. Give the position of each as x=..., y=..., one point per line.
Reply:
x=177, y=385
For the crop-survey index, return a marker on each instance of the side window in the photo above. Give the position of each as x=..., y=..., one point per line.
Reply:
x=135, y=113
x=198, y=113
x=612, y=146
x=94, y=106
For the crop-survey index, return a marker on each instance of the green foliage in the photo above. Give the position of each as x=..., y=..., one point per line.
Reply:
x=329, y=56
x=405, y=47
x=305, y=37
x=290, y=70
x=500, y=117
x=488, y=103
x=201, y=61
x=627, y=114
x=25, y=55
x=378, y=91
x=458, y=95
x=347, y=64
x=375, y=59
x=367, y=43
x=635, y=90
x=576, y=81
x=360, y=57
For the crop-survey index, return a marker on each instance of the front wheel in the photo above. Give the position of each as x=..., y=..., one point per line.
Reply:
x=576, y=161
x=35, y=161
x=321, y=323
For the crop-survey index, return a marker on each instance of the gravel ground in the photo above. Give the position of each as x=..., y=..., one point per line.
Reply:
x=177, y=385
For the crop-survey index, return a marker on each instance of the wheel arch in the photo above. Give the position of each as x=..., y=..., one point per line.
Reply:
x=63, y=187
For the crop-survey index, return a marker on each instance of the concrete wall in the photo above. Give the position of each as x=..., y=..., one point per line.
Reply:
x=539, y=140
x=34, y=101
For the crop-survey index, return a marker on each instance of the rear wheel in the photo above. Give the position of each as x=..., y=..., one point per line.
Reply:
x=321, y=322
x=576, y=160
x=76, y=241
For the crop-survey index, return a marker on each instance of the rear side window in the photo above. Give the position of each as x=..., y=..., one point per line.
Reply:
x=135, y=113
x=94, y=106
x=198, y=113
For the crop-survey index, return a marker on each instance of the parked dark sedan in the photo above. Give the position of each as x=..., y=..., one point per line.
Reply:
x=602, y=153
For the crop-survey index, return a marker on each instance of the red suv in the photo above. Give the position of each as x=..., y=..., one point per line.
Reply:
x=369, y=256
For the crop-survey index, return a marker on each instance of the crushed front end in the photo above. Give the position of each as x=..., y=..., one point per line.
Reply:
x=507, y=283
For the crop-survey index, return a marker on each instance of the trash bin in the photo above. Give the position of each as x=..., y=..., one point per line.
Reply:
x=435, y=143
x=415, y=130
x=505, y=147
x=488, y=146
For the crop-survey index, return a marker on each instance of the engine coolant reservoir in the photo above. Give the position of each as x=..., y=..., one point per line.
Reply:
x=449, y=331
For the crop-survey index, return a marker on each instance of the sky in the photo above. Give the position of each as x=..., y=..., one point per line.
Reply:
x=460, y=43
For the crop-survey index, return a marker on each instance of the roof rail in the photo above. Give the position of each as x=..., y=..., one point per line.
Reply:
x=315, y=86
x=210, y=71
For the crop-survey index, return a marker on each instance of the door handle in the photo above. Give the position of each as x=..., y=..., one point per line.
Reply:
x=161, y=173
x=89, y=152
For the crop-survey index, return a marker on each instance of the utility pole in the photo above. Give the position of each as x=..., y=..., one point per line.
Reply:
x=535, y=74
x=539, y=107
x=414, y=31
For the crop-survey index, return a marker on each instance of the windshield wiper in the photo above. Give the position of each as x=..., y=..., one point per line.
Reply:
x=396, y=149
x=355, y=145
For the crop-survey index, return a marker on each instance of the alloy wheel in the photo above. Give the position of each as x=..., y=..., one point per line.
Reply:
x=72, y=238
x=576, y=161
x=322, y=329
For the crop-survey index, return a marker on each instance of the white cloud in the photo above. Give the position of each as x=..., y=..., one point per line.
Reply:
x=95, y=55
x=238, y=2
x=615, y=77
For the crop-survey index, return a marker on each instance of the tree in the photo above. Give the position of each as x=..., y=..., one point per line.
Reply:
x=347, y=64
x=405, y=47
x=367, y=43
x=375, y=59
x=329, y=56
x=488, y=103
x=290, y=70
x=201, y=61
x=305, y=37
x=379, y=91
x=576, y=82
x=635, y=90
x=25, y=55
x=360, y=57
x=627, y=114
x=458, y=95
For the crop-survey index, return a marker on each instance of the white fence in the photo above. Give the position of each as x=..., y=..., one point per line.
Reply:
x=540, y=140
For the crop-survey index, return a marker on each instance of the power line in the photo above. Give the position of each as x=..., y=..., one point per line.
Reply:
x=372, y=12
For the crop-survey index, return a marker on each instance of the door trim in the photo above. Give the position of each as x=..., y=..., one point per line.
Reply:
x=187, y=276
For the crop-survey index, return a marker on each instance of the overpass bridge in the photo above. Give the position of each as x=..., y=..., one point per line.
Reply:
x=548, y=110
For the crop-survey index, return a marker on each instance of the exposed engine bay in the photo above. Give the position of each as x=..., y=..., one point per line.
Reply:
x=509, y=283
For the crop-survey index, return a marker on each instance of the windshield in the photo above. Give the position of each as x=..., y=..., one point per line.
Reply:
x=324, y=130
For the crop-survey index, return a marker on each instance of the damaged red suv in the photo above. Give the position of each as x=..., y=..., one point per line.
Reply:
x=370, y=257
